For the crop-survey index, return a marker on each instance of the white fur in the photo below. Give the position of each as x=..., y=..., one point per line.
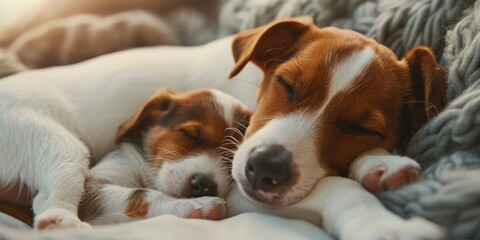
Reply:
x=296, y=132
x=348, y=70
x=123, y=166
x=344, y=75
x=175, y=174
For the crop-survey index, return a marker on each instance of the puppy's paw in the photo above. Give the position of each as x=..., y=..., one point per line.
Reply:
x=212, y=208
x=382, y=179
x=393, y=229
x=386, y=172
x=58, y=218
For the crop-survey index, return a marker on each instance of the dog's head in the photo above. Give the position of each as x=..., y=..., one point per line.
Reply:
x=187, y=140
x=327, y=96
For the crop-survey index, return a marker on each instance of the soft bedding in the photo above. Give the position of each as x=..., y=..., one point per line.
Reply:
x=250, y=226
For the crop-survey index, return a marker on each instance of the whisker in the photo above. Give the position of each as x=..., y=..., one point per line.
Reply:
x=250, y=82
x=242, y=125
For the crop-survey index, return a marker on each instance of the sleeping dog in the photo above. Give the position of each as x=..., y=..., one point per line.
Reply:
x=173, y=154
x=327, y=96
x=331, y=103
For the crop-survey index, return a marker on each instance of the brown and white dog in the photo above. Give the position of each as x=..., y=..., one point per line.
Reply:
x=173, y=158
x=327, y=97
x=332, y=103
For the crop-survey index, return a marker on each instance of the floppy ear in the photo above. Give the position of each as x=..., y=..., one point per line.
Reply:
x=270, y=42
x=429, y=81
x=159, y=104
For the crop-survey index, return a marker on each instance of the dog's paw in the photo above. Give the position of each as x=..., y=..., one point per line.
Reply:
x=393, y=229
x=386, y=172
x=212, y=208
x=58, y=218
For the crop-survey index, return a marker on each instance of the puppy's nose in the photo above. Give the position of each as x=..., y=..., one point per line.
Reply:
x=269, y=167
x=202, y=185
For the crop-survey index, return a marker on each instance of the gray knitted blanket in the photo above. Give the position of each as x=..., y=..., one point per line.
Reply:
x=449, y=146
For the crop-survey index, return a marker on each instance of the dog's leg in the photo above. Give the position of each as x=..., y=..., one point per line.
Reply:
x=346, y=211
x=350, y=212
x=107, y=203
x=47, y=158
x=61, y=185
x=378, y=170
x=114, y=193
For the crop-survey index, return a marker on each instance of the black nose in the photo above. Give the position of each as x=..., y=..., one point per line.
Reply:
x=269, y=167
x=203, y=185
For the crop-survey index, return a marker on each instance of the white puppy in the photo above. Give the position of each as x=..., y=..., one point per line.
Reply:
x=55, y=122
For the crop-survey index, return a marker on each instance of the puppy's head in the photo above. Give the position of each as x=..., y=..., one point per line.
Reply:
x=187, y=140
x=327, y=96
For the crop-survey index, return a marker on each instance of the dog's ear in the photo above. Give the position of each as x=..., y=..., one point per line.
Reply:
x=268, y=44
x=159, y=104
x=429, y=81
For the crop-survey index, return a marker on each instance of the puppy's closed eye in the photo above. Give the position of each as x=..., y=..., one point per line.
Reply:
x=358, y=129
x=193, y=133
x=289, y=89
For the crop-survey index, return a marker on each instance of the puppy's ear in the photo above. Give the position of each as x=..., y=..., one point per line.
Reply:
x=159, y=104
x=429, y=81
x=268, y=44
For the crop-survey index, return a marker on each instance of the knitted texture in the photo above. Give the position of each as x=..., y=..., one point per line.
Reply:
x=240, y=15
x=401, y=25
x=457, y=127
x=449, y=194
x=448, y=146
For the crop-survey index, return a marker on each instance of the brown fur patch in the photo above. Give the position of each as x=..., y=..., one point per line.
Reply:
x=137, y=205
x=90, y=207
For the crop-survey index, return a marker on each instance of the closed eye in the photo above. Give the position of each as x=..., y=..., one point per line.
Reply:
x=292, y=94
x=357, y=129
x=194, y=135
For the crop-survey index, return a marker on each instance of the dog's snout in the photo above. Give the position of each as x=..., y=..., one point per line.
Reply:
x=269, y=167
x=202, y=185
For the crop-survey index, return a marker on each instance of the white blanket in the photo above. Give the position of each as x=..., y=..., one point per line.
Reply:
x=249, y=226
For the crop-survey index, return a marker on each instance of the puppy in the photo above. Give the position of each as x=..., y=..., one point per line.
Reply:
x=173, y=158
x=57, y=122
x=332, y=103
